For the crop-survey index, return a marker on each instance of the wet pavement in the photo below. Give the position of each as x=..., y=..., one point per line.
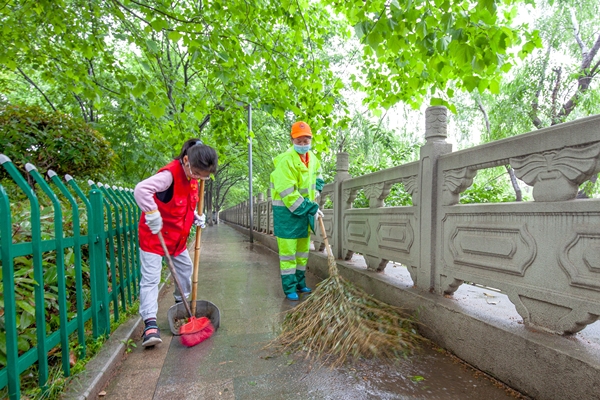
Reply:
x=242, y=279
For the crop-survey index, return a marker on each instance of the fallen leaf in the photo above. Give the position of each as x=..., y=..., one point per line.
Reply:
x=72, y=358
x=102, y=393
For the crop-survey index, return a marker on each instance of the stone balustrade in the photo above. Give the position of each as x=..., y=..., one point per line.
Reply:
x=543, y=254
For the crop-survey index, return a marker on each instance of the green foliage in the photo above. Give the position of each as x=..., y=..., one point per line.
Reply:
x=490, y=186
x=52, y=141
x=416, y=49
x=478, y=193
x=155, y=72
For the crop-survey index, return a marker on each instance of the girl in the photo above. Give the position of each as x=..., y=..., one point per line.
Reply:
x=168, y=201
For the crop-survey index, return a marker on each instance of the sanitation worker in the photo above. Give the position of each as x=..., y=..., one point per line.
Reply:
x=294, y=184
x=168, y=202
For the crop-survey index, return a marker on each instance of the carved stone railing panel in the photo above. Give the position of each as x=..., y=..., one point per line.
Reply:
x=326, y=193
x=317, y=236
x=556, y=175
x=411, y=185
x=455, y=182
x=553, y=312
x=504, y=247
x=348, y=197
x=381, y=235
x=545, y=260
x=376, y=193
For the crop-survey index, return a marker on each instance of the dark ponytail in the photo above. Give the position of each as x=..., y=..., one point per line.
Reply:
x=200, y=156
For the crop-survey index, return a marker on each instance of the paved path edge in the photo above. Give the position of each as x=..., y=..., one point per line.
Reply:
x=98, y=371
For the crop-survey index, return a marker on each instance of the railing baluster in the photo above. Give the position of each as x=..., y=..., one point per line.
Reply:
x=10, y=307
x=128, y=276
x=38, y=271
x=77, y=253
x=110, y=232
x=129, y=245
x=98, y=263
x=118, y=228
x=128, y=195
x=60, y=266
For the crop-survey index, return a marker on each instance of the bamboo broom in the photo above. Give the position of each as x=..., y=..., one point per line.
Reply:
x=340, y=321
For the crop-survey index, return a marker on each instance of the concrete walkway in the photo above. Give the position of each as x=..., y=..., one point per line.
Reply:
x=242, y=279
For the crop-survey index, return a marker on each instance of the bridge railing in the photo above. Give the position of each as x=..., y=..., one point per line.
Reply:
x=543, y=254
x=69, y=263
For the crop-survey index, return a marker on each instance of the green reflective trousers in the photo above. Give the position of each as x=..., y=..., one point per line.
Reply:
x=293, y=257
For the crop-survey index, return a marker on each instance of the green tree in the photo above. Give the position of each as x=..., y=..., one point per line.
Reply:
x=417, y=49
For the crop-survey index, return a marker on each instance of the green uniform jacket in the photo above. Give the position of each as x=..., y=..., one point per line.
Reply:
x=294, y=186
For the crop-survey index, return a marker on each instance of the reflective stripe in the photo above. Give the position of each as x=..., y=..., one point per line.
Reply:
x=296, y=204
x=314, y=187
x=272, y=185
x=287, y=258
x=278, y=203
x=302, y=191
x=301, y=267
x=290, y=271
x=303, y=255
x=286, y=192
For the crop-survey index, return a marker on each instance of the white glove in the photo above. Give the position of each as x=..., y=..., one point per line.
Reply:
x=154, y=222
x=199, y=220
x=319, y=214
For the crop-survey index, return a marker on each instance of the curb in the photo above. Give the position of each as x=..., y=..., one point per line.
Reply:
x=90, y=382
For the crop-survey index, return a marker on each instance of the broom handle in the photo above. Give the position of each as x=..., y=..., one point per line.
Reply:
x=173, y=273
x=197, y=249
x=324, y=234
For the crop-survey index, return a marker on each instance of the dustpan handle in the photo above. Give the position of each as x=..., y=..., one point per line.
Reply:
x=173, y=273
x=197, y=248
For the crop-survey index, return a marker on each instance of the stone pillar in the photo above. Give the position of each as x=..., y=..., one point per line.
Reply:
x=430, y=189
x=339, y=204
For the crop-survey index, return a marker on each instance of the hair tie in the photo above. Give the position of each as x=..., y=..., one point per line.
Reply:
x=199, y=142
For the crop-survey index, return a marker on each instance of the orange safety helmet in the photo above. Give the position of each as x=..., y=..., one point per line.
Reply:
x=300, y=129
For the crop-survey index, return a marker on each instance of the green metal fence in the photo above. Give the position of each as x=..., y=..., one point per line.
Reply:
x=94, y=271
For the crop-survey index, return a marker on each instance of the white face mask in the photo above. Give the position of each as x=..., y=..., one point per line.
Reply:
x=302, y=149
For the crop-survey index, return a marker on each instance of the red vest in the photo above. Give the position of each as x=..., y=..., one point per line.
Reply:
x=177, y=214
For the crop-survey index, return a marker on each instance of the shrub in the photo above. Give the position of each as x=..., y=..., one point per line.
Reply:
x=52, y=140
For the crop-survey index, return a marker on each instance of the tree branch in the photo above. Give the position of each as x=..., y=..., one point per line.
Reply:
x=558, y=72
x=32, y=83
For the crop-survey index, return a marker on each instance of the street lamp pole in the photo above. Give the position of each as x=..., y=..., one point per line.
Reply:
x=251, y=219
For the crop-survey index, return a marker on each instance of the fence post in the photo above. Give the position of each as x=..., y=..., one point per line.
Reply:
x=130, y=247
x=429, y=190
x=136, y=213
x=100, y=302
x=77, y=252
x=112, y=233
x=61, y=281
x=38, y=269
x=10, y=307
